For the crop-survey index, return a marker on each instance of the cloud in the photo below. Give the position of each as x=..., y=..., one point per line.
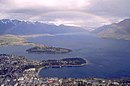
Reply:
x=84, y=13
x=78, y=18
x=111, y=7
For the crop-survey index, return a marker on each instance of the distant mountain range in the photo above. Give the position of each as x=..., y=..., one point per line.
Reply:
x=18, y=27
x=119, y=30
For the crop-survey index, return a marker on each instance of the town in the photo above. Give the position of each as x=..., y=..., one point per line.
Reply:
x=19, y=71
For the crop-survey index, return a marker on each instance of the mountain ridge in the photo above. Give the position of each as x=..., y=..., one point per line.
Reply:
x=120, y=30
x=18, y=27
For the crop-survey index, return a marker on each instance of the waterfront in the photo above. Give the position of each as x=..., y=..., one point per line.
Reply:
x=17, y=70
x=108, y=58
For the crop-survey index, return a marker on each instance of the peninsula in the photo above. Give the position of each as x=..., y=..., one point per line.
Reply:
x=8, y=39
x=66, y=62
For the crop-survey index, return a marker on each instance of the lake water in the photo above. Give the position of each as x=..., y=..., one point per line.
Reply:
x=108, y=58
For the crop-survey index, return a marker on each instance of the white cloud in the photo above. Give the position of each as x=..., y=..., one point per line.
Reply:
x=53, y=4
x=84, y=13
x=73, y=18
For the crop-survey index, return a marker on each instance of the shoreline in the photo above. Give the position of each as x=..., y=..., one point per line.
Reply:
x=39, y=69
x=108, y=78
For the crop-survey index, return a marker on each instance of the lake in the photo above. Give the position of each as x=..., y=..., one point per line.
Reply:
x=108, y=58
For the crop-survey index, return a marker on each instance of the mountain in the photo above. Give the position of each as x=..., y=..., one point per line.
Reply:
x=18, y=27
x=119, y=30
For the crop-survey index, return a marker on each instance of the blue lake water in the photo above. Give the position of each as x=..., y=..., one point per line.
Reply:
x=108, y=58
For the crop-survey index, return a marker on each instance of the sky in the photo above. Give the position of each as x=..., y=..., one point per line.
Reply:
x=88, y=14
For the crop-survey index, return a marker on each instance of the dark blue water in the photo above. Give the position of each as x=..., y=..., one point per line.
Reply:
x=108, y=58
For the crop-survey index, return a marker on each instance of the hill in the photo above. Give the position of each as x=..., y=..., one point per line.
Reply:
x=119, y=30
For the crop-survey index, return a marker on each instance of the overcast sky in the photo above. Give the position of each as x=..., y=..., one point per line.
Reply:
x=84, y=13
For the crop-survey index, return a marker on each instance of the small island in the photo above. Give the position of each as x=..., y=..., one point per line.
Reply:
x=48, y=50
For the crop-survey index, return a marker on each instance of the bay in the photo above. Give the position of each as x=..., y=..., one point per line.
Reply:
x=108, y=58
